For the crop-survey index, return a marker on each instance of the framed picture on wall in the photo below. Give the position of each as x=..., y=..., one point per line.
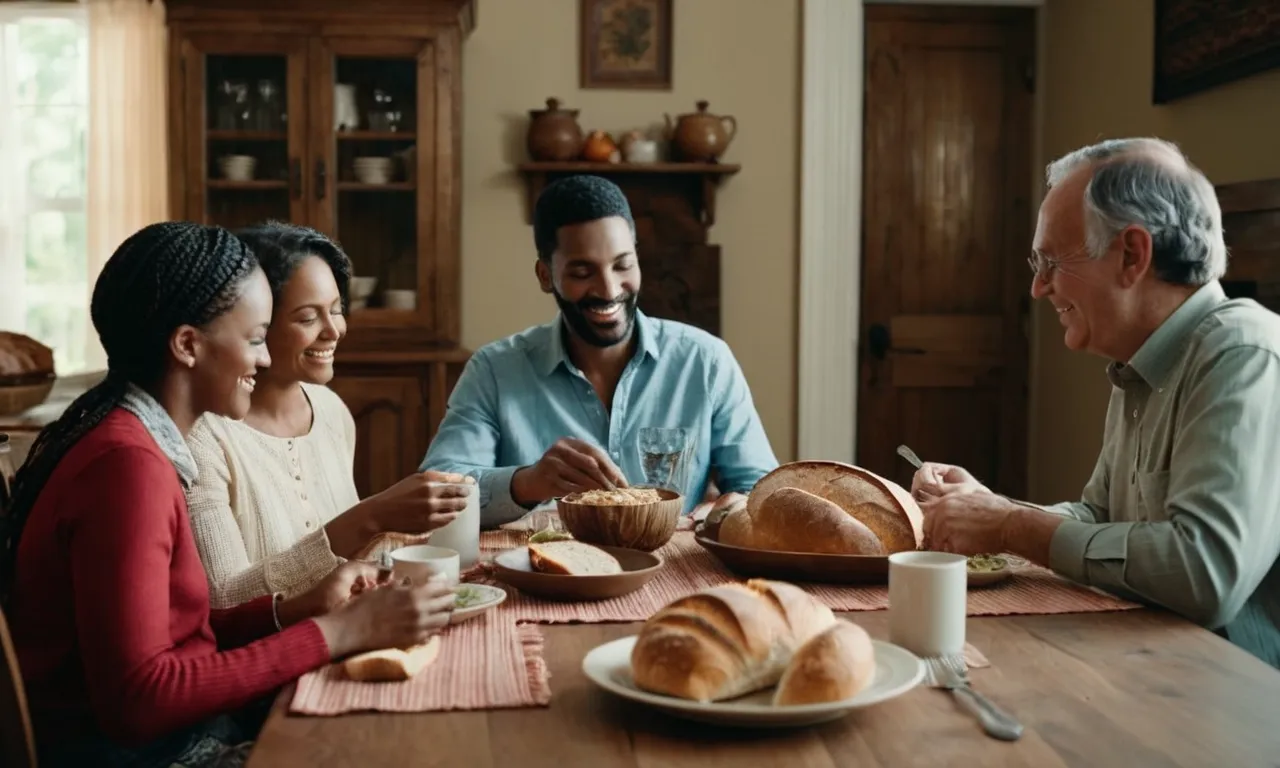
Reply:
x=625, y=44
x=1201, y=44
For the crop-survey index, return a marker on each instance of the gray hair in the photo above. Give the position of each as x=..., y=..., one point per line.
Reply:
x=1149, y=183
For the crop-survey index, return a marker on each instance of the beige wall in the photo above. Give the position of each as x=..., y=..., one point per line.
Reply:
x=1097, y=84
x=524, y=51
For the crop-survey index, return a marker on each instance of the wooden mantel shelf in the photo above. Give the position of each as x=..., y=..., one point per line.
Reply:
x=538, y=174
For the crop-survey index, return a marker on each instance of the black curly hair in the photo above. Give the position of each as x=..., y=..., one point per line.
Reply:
x=164, y=276
x=280, y=247
x=574, y=200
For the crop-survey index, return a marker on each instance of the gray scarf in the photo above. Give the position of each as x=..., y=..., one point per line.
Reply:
x=158, y=422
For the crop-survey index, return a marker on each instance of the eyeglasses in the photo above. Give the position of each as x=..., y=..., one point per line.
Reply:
x=1043, y=266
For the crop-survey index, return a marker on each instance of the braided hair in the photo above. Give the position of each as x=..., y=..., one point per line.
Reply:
x=281, y=247
x=164, y=276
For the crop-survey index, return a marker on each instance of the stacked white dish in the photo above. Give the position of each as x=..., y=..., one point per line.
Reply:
x=237, y=167
x=361, y=289
x=373, y=170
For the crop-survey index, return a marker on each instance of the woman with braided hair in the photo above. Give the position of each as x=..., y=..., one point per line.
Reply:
x=123, y=659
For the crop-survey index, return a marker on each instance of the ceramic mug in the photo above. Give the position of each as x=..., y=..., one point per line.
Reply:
x=928, y=592
x=422, y=561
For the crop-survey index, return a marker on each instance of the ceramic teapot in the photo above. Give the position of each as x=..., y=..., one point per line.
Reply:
x=554, y=134
x=701, y=137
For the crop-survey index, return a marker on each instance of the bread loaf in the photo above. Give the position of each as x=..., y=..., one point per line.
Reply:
x=392, y=664
x=833, y=665
x=825, y=507
x=572, y=558
x=23, y=360
x=725, y=641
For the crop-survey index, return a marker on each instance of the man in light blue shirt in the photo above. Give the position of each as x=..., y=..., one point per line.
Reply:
x=558, y=408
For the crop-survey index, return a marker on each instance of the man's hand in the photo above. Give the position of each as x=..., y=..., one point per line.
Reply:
x=569, y=466
x=967, y=523
x=935, y=480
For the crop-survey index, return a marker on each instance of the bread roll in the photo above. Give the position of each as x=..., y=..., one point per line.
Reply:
x=572, y=558
x=725, y=641
x=392, y=664
x=833, y=665
x=23, y=360
x=785, y=511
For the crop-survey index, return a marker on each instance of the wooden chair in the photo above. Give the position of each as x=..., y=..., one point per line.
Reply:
x=17, y=744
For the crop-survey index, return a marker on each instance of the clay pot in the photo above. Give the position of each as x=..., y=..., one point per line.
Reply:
x=554, y=134
x=701, y=137
x=600, y=148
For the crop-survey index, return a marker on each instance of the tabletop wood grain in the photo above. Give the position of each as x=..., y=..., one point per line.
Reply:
x=1127, y=688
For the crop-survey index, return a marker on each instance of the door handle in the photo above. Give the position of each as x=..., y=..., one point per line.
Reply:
x=880, y=345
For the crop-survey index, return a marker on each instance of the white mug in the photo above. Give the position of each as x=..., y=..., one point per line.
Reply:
x=463, y=534
x=927, y=602
x=422, y=561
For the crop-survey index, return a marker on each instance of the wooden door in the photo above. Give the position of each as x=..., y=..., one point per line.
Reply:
x=391, y=428
x=240, y=95
x=947, y=228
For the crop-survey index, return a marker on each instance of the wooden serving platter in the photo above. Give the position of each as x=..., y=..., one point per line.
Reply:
x=793, y=566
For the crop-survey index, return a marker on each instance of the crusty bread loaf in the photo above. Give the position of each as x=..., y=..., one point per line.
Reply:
x=572, y=558
x=392, y=664
x=725, y=641
x=23, y=360
x=785, y=512
x=833, y=665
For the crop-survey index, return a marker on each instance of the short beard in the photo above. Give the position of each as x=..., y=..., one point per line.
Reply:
x=575, y=316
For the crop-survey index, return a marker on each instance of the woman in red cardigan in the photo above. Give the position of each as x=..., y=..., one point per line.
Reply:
x=124, y=662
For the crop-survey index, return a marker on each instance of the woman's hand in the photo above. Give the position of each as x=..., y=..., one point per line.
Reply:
x=393, y=616
x=422, y=502
x=342, y=583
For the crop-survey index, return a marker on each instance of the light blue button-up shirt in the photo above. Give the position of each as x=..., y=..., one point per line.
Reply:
x=520, y=395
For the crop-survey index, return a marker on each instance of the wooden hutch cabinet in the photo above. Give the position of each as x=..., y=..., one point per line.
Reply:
x=344, y=117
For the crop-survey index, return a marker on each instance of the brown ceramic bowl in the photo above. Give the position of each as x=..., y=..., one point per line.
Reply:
x=513, y=568
x=633, y=526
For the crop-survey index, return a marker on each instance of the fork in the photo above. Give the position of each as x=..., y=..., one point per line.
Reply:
x=951, y=672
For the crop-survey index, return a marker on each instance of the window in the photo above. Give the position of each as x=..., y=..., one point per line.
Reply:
x=44, y=115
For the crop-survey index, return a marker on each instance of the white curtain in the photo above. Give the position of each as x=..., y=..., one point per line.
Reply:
x=128, y=148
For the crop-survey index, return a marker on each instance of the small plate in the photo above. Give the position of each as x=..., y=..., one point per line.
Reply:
x=513, y=567
x=490, y=598
x=897, y=671
x=987, y=578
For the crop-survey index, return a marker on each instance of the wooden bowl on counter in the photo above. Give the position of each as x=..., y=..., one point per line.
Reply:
x=645, y=527
x=16, y=399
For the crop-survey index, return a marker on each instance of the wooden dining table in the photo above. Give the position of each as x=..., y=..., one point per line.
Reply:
x=1126, y=688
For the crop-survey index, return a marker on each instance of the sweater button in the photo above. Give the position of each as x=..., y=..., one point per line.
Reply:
x=308, y=523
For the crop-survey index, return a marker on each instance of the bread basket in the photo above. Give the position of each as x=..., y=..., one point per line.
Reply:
x=18, y=398
x=645, y=527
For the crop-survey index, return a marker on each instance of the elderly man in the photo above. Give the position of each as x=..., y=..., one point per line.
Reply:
x=1183, y=508
x=560, y=407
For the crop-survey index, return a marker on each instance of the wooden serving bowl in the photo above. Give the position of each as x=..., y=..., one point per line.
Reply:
x=16, y=399
x=632, y=526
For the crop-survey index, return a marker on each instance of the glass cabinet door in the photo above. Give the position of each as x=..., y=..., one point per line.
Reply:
x=372, y=145
x=245, y=128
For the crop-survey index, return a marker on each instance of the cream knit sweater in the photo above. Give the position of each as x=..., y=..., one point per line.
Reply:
x=259, y=507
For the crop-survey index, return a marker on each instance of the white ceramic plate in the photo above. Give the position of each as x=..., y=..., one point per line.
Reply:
x=897, y=671
x=491, y=597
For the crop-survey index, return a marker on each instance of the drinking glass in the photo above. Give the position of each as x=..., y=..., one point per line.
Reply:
x=665, y=455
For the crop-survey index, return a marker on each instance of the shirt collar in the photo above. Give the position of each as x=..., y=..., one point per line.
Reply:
x=552, y=353
x=1156, y=357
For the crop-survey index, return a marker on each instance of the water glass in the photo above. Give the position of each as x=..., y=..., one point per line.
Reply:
x=665, y=455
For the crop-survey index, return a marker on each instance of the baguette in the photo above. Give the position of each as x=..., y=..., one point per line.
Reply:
x=725, y=641
x=833, y=665
x=392, y=664
x=825, y=507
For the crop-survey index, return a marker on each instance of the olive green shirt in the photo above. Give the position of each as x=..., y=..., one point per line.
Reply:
x=1183, y=508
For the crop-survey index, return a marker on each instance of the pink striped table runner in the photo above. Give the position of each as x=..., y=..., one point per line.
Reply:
x=688, y=568
x=489, y=662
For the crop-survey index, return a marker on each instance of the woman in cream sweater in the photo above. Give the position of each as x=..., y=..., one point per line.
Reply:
x=275, y=506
